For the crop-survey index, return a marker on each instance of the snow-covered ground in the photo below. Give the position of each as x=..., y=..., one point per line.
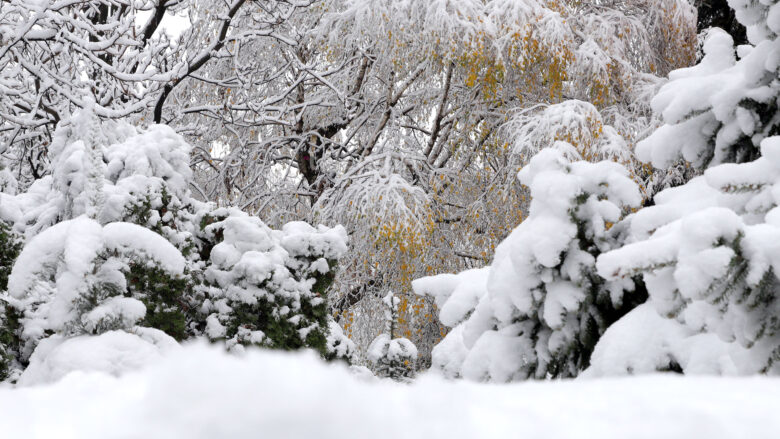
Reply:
x=199, y=392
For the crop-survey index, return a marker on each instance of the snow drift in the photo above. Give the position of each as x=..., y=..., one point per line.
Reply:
x=200, y=392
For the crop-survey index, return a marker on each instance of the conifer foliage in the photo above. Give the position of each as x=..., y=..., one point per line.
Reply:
x=707, y=249
x=539, y=309
x=391, y=356
x=712, y=265
x=112, y=240
x=720, y=110
x=268, y=287
x=565, y=291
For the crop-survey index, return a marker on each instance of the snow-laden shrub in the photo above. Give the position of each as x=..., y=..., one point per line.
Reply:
x=720, y=110
x=710, y=258
x=113, y=240
x=540, y=307
x=268, y=287
x=391, y=356
x=71, y=279
x=337, y=345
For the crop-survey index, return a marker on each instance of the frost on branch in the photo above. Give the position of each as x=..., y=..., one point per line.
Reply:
x=540, y=307
x=579, y=124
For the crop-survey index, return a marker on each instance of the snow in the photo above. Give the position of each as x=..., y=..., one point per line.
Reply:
x=448, y=355
x=199, y=392
x=456, y=295
x=113, y=352
x=391, y=356
x=102, y=169
x=643, y=342
x=302, y=239
x=640, y=342
x=126, y=309
x=339, y=345
x=127, y=236
x=69, y=279
x=496, y=356
x=525, y=312
x=254, y=265
x=397, y=349
x=712, y=112
x=708, y=252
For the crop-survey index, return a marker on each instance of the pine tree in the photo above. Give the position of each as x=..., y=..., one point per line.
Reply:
x=540, y=307
x=706, y=250
x=720, y=110
x=391, y=356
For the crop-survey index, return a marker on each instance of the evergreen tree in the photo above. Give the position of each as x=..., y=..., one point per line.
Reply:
x=391, y=356
x=720, y=110
x=113, y=240
x=267, y=287
x=707, y=249
x=338, y=346
x=72, y=279
x=540, y=307
x=708, y=255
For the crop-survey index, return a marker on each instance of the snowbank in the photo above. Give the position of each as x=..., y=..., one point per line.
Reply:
x=198, y=392
x=113, y=352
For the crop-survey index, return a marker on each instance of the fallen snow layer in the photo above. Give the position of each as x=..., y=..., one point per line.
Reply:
x=198, y=392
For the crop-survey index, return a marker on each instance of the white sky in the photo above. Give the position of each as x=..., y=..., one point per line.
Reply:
x=172, y=24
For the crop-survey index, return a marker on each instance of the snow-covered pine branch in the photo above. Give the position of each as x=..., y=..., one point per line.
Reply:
x=540, y=307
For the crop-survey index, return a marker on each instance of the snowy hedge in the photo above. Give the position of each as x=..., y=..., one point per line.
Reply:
x=112, y=240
